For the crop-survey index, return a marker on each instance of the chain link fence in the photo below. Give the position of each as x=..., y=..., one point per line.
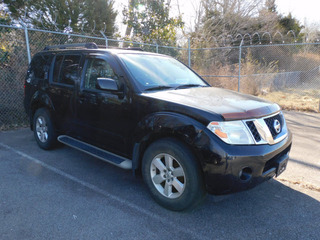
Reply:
x=288, y=74
x=13, y=66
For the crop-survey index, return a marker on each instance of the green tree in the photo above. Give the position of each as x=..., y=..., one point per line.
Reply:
x=4, y=18
x=288, y=24
x=101, y=13
x=149, y=21
x=62, y=13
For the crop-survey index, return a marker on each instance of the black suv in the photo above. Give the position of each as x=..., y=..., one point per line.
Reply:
x=151, y=113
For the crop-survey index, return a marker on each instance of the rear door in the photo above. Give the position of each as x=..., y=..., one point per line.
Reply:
x=104, y=115
x=65, y=73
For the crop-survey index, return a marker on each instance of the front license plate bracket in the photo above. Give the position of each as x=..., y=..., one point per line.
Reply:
x=281, y=166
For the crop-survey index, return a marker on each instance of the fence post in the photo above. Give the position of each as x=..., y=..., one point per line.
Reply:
x=105, y=37
x=240, y=52
x=27, y=41
x=189, y=53
x=157, y=48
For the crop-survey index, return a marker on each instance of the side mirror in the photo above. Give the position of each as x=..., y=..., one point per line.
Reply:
x=107, y=84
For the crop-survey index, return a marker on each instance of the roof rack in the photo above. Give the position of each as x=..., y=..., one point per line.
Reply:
x=134, y=48
x=90, y=45
x=127, y=48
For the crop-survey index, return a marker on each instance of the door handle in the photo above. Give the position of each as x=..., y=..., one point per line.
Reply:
x=81, y=98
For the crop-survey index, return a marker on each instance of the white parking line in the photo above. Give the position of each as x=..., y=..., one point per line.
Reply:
x=100, y=191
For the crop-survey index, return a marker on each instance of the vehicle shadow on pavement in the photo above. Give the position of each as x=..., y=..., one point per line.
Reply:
x=272, y=210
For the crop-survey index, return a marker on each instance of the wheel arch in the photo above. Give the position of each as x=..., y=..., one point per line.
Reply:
x=166, y=125
x=39, y=100
x=175, y=190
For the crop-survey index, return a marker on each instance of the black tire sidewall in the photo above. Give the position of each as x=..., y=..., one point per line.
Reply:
x=51, y=141
x=194, y=188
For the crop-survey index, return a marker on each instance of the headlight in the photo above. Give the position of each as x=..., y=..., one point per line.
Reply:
x=232, y=132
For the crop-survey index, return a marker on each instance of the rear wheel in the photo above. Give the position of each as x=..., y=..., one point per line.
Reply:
x=172, y=175
x=43, y=129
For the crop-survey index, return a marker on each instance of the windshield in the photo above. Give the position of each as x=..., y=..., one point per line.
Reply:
x=160, y=72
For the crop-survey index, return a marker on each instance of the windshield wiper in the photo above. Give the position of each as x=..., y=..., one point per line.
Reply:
x=160, y=87
x=189, y=85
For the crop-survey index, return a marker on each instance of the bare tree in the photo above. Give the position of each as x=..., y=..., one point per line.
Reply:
x=229, y=16
x=225, y=18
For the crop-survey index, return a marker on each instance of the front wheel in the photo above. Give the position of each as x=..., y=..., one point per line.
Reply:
x=43, y=129
x=172, y=175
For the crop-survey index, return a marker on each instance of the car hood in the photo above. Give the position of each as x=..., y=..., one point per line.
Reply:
x=229, y=104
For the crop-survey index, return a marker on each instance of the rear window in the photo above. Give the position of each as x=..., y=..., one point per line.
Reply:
x=66, y=69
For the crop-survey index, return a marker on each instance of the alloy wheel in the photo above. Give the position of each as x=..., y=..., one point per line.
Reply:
x=167, y=175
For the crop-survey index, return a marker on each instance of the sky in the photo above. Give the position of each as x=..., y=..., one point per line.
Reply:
x=306, y=11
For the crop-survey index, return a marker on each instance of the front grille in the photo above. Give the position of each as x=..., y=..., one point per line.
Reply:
x=270, y=121
x=268, y=129
x=254, y=131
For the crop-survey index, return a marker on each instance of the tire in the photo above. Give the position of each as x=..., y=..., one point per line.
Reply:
x=43, y=129
x=172, y=175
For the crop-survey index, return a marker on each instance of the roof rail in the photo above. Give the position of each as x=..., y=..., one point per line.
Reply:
x=128, y=48
x=90, y=45
x=134, y=48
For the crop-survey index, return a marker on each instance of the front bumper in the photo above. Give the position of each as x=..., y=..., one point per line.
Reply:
x=230, y=168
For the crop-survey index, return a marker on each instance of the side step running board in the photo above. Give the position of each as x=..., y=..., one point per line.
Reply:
x=96, y=152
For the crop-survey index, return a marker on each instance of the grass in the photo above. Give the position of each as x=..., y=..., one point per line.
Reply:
x=304, y=100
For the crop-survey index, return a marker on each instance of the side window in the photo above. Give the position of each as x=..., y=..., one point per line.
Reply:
x=97, y=68
x=56, y=69
x=69, y=69
x=39, y=67
x=66, y=69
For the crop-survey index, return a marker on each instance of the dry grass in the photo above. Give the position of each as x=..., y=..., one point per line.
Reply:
x=250, y=83
x=303, y=59
x=301, y=184
x=258, y=77
x=298, y=101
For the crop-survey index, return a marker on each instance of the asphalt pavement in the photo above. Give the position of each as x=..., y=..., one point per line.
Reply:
x=66, y=194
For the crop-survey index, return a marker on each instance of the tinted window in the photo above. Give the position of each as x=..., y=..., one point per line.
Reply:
x=70, y=68
x=66, y=69
x=40, y=66
x=57, y=67
x=97, y=68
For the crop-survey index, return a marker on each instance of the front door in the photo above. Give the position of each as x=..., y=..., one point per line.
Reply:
x=102, y=114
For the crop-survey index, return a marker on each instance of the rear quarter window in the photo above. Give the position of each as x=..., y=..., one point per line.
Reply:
x=39, y=67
